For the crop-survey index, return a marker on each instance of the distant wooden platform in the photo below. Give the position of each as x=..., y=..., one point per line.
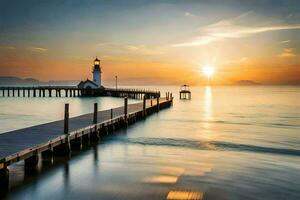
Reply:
x=24, y=143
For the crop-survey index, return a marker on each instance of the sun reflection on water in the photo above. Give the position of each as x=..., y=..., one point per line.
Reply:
x=207, y=107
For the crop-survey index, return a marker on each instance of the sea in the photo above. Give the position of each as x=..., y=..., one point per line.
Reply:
x=227, y=143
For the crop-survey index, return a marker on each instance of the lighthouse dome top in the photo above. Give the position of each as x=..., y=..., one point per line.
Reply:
x=97, y=61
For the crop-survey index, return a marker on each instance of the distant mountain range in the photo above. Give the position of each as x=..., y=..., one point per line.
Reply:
x=247, y=82
x=11, y=80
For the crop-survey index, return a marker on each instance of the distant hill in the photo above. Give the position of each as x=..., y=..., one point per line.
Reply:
x=11, y=80
x=247, y=82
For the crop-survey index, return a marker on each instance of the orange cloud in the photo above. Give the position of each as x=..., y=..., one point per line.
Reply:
x=287, y=53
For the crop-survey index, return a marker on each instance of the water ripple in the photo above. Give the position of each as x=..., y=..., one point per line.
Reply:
x=207, y=145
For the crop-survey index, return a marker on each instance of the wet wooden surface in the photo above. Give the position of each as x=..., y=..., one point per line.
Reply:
x=15, y=141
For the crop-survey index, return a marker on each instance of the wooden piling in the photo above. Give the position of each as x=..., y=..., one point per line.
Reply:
x=95, y=113
x=4, y=178
x=144, y=106
x=76, y=144
x=32, y=162
x=125, y=107
x=66, y=119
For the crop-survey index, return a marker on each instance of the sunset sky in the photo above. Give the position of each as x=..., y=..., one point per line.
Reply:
x=152, y=42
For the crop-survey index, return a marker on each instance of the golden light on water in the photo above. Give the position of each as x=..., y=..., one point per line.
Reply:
x=161, y=179
x=208, y=71
x=184, y=195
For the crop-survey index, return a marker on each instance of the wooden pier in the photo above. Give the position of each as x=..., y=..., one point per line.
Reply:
x=74, y=91
x=58, y=138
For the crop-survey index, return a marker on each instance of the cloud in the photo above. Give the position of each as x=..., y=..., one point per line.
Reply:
x=287, y=53
x=135, y=49
x=188, y=14
x=232, y=29
x=8, y=47
x=285, y=41
x=38, y=49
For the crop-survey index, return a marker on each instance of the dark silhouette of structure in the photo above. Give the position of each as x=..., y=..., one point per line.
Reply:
x=185, y=92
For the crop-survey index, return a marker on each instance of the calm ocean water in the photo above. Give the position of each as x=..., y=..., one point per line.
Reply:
x=226, y=143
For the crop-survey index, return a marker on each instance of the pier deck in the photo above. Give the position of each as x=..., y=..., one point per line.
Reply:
x=24, y=143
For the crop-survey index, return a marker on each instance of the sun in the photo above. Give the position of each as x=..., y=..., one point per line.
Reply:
x=208, y=71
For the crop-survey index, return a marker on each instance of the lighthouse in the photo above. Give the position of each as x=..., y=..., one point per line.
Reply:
x=97, y=72
x=96, y=82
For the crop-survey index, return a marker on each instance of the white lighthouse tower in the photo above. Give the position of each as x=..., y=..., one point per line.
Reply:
x=97, y=72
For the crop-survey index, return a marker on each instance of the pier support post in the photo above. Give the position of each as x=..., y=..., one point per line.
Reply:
x=94, y=135
x=144, y=106
x=18, y=92
x=62, y=149
x=32, y=162
x=47, y=153
x=111, y=114
x=95, y=113
x=28, y=92
x=125, y=107
x=157, y=104
x=3, y=92
x=85, y=139
x=4, y=178
x=66, y=119
x=23, y=92
x=34, y=92
x=76, y=143
x=125, y=111
x=47, y=156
